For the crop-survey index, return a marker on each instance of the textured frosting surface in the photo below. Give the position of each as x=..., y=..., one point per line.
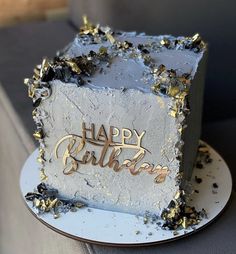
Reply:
x=129, y=73
x=119, y=94
x=102, y=187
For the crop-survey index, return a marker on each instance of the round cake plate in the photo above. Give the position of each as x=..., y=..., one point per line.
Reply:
x=122, y=229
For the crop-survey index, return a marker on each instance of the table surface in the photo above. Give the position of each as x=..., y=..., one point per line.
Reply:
x=21, y=48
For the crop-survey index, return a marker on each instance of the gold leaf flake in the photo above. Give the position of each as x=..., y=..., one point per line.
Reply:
x=40, y=160
x=44, y=67
x=34, y=112
x=36, y=202
x=26, y=81
x=38, y=134
x=74, y=66
x=196, y=37
x=173, y=113
x=43, y=176
x=88, y=28
x=52, y=203
x=102, y=50
x=110, y=38
x=180, y=130
x=184, y=222
x=177, y=195
x=173, y=91
x=43, y=205
x=165, y=42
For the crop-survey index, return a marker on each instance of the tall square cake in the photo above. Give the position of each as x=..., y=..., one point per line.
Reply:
x=118, y=118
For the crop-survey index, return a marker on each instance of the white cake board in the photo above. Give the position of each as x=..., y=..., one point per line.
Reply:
x=122, y=229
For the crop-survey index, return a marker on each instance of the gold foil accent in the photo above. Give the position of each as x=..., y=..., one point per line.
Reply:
x=40, y=160
x=31, y=89
x=167, y=83
x=178, y=215
x=36, y=202
x=177, y=195
x=196, y=37
x=41, y=152
x=102, y=50
x=173, y=113
x=184, y=222
x=173, y=91
x=34, y=112
x=38, y=134
x=36, y=73
x=52, y=203
x=26, y=81
x=88, y=28
x=44, y=67
x=47, y=199
x=110, y=38
x=165, y=42
x=74, y=66
x=180, y=130
x=43, y=176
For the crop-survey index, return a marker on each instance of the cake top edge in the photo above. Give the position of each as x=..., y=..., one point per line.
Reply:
x=155, y=68
x=96, y=34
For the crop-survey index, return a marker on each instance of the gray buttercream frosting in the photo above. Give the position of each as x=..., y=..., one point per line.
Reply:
x=119, y=94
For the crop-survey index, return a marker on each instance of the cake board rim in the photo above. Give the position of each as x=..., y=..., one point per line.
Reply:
x=67, y=223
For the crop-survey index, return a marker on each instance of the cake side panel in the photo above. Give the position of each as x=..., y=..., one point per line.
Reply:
x=69, y=106
x=194, y=119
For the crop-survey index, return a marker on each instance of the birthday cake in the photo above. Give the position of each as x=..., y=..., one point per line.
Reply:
x=118, y=118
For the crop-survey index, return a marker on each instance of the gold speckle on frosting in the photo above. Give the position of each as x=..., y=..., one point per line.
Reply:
x=38, y=134
x=43, y=176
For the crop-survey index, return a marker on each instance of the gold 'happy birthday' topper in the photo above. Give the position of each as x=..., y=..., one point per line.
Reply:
x=74, y=144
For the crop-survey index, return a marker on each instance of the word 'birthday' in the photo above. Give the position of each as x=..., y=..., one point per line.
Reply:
x=73, y=149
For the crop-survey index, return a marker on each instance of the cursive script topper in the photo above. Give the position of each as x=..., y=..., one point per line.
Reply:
x=72, y=149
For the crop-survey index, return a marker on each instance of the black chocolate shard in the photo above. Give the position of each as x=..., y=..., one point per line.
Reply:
x=78, y=80
x=215, y=185
x=37, y=103
x=48, y=75
x=92, y=53
x=198, y=180
x=145, y=51
x=208, y=159
x=30, y=196
x=171, y=204
x=199, y=165
x=163, y=90
x=140, y=46
x=47, y=199
x=58, y=73
x=180, y=215
x=42, y=188
x=66, y=74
